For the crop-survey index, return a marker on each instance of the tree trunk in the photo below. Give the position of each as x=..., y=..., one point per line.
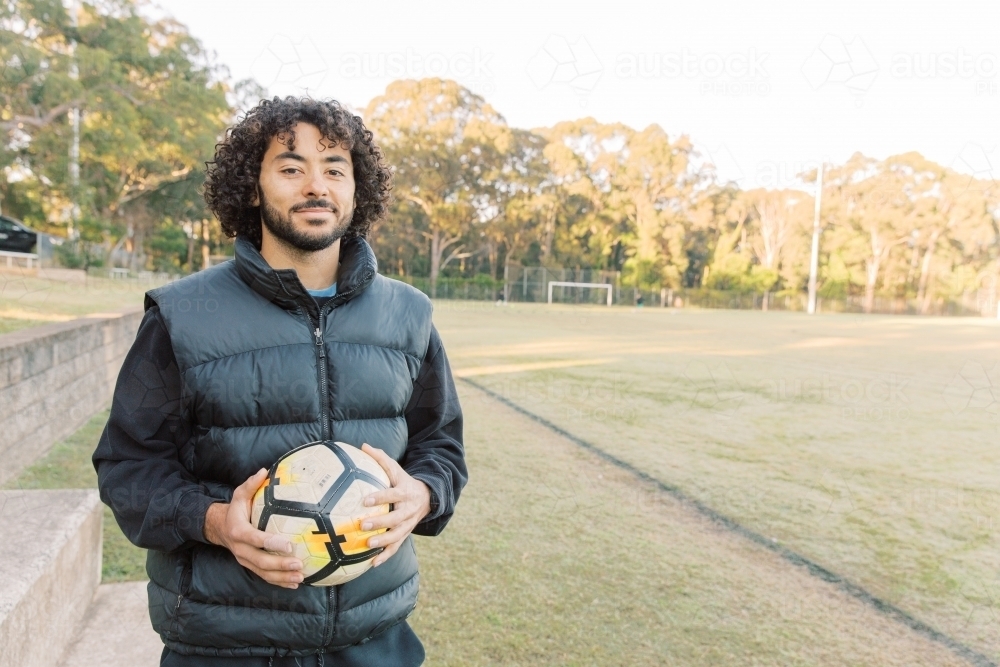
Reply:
x=190, y=257
x=871, y=277
x=436, y=251
x=925, y=271
x=872, y=265
x=205, y=257
x=493, y=251
x=549, y=234
x=138, y=258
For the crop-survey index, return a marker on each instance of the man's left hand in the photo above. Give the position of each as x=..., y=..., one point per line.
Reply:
x=411, y=500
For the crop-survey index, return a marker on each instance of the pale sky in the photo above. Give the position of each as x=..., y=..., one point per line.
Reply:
x=765, y=90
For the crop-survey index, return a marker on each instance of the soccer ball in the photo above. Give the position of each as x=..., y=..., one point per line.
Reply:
x=314, y=495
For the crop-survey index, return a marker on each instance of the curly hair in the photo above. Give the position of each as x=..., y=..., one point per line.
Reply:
x=232, y=178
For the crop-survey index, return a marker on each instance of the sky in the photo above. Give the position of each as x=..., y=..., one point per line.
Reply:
x=765, y=90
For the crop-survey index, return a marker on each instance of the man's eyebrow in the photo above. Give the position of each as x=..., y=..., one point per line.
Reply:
x=289, y=155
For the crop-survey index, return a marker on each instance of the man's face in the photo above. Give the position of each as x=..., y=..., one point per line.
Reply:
x=307, y=192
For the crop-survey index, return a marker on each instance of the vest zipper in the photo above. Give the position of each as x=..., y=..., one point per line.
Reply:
x=324, y=406
x=331, y=604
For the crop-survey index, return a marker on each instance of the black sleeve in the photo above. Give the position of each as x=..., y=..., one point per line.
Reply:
x=158, y=504
x=434, y=453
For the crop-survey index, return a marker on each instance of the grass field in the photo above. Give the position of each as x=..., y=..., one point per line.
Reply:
x=68, y=466
x=867, y=444
x=27, y=301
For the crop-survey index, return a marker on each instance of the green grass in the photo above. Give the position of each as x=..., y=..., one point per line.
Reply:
x=868, y=444
x=557, y=558
x=68, y=466
x=8, y=324
x=27, y=301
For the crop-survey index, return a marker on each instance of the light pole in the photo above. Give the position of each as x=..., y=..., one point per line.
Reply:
x=814, y=257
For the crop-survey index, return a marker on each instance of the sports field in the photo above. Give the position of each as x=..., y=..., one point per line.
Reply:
x=27, y=301
x=867, y=445
x=864, y=446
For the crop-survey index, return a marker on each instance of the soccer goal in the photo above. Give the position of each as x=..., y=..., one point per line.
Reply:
x=558, y=283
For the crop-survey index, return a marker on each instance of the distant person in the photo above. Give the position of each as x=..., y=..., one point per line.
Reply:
x=639, y=301
x=298, y=339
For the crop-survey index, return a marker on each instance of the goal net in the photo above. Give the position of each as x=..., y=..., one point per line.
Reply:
x=565, y=285
x=546, y=284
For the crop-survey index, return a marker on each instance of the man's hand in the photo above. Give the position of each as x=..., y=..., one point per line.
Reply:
x=411, y=500
x=228, y=525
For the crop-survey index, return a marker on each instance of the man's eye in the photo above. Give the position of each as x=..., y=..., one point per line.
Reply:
x=289, y=170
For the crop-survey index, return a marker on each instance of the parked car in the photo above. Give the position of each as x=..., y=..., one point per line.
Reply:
x=15, y=236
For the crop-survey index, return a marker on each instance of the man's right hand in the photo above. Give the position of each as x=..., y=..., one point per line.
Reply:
x=228, y=525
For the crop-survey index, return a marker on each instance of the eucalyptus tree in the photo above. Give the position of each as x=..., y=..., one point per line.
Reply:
x=152, y=107
x=447, y=148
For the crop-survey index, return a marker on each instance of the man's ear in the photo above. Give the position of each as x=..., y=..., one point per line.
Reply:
x=255, y=200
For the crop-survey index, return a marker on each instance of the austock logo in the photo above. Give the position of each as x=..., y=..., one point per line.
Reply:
x=835, y=62
x=560, y=62
x=288, y=62
x=975, y=390
x=736, y=73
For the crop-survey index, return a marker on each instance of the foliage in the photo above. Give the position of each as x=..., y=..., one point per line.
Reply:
x=472, y=194
x=151, y=109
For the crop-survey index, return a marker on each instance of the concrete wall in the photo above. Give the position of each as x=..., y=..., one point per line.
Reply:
x=55, y=377
x=50, y=566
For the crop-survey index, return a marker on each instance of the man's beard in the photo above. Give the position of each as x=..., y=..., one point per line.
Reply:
x=282, y=228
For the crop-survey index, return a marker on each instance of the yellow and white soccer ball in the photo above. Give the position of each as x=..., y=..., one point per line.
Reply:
x=314, y=495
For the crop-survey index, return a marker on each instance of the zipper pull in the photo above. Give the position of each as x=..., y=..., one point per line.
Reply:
x=319, y=336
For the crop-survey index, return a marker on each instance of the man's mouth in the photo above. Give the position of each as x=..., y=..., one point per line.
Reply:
x=313, y=207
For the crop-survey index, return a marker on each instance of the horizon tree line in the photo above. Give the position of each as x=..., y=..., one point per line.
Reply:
x=471, y=193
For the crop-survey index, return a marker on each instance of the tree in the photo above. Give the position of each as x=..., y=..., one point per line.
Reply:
x=522, y=195
x=152, y=109
x=878, y=202
x=447, y=146
x=955, y=216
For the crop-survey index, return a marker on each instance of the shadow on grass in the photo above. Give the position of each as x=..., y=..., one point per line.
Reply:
x=68, y=466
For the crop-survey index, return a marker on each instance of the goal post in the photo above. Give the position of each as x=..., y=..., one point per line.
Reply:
x=557, y=283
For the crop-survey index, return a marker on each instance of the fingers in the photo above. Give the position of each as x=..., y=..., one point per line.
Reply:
x=245, y=533
x=379, y=521
x=386, y=497
x=261, y=561
x=387, y=553
x=390, y=467
x=393, y=536
x=276, y=543
x=244, y=492
x=285, y=579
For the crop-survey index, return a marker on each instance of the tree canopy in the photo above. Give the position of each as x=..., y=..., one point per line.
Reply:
x=151, y=109
x=472, y=194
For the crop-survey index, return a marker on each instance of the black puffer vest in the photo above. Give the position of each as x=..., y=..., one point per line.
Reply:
x=264, y=370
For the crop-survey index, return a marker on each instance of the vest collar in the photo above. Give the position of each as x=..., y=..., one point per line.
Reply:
x=282, y=286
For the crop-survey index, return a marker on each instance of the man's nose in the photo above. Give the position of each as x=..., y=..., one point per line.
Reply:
x=315, y=186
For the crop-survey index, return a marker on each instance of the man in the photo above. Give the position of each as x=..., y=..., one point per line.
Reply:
x=296, y=340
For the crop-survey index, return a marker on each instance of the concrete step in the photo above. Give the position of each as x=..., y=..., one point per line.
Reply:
x=116, y=631
x=50, y=565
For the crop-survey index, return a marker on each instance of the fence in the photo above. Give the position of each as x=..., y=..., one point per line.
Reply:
x=480, y=288
x=531, y=285
x=17, y=259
